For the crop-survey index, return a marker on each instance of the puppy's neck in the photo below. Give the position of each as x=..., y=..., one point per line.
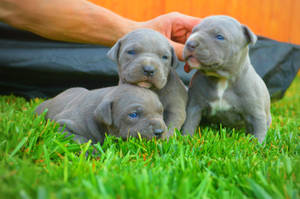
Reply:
x=238, y=69
x=244, y=66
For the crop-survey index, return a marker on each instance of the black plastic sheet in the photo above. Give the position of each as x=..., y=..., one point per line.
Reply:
x=32, y=66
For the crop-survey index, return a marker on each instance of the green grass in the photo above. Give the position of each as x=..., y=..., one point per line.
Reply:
x=38, y=162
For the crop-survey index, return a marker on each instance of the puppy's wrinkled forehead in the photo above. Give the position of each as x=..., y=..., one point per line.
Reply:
x=130, y=94
x=146, y=39
x=220, y=24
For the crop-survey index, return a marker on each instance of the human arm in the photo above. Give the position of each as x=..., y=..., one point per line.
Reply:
x=66, y=20
x=85, y=22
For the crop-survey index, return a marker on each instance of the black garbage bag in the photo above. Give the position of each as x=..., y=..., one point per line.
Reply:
x=32, y=66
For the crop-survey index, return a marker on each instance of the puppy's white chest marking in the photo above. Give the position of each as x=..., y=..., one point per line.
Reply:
x=220, y=104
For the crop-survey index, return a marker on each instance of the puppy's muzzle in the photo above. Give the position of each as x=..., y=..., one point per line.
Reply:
x=192, y=45
x=149, y=70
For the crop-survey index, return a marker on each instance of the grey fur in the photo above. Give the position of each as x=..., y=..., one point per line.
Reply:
x=152, y=50
x=90, y=114
x=226, y=89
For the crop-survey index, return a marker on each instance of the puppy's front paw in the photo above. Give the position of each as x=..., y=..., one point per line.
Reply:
x=188, y=131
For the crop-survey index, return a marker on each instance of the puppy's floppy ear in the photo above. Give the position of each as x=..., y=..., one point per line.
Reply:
x=103, y=113
x=113, y=53
x=174, y=61
x=250, y=36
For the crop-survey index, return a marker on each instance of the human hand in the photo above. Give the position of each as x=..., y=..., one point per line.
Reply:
x=176, y=27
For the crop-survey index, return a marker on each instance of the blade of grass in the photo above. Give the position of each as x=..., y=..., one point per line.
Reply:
x=18, y=147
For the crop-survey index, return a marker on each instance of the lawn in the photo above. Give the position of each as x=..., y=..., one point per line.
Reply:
x=38, y=162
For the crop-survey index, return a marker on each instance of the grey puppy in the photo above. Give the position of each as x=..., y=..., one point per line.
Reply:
x=225, y=89
x=145, y=58
x=122, y=111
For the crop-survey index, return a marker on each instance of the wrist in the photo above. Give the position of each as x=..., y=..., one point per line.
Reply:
x=127, y=25
x=113, y=26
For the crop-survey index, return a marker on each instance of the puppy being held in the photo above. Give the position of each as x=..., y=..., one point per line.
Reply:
x=122, y=111
x=226, y=89
x=145, y=58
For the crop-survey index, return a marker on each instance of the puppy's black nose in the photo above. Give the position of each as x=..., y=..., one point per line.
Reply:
x=192, y=45
x=149, y=70
x=158, y=132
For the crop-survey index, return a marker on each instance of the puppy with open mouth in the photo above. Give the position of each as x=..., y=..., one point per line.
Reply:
x=226, y=89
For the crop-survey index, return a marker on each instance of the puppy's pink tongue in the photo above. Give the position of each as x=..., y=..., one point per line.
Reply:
x=187, y=68
x=193, y=62
x=144, y=84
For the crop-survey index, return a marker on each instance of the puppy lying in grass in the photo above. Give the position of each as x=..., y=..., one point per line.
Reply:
x=226, y=89
x=122, y=111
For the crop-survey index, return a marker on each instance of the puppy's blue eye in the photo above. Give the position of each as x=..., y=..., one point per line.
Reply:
x=131, y=52
x=220, y=37
x=133, y=115
x=165, y=57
